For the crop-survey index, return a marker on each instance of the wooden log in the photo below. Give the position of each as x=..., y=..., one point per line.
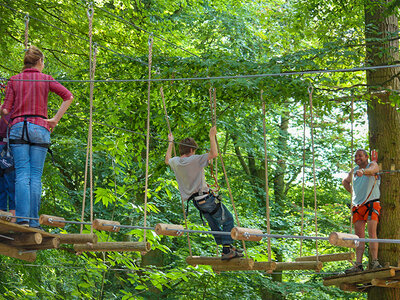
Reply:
x=52, y=221
x=114, y=246
x=47, y=243
x=216, y=261
x=386, y=283
x=24, y=239
x=336, y=239
x=299, y=265
x=328, y=257
x=7, y=227
x=360, y=277
x=265, y=266
x=16, y=253
x=258, y=266
x=77, y=238
x=5, y=215
x=104, y=225
x=169, y=229
x=246, y=234
x=349, y=287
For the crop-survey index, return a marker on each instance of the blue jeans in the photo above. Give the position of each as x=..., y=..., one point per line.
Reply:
x=221, y=220
x=29, y=163
x=7, y=189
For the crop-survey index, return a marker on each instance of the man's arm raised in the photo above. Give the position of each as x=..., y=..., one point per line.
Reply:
x=169, y=150
x=213, y=143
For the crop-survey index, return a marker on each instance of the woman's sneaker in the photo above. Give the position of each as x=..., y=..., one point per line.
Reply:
x=356, y=268
x=375, y=265
x=23, y=223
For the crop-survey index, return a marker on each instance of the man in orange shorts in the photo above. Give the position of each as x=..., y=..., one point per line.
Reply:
x=366, y=206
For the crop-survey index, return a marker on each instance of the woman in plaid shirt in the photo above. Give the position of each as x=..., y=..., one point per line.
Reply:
x=26, y=99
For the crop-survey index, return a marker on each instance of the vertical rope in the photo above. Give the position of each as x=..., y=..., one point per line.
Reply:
x=26, y=19
x=148, y=135
x=183, y=204
x=266, y=178
x=225, y=174
x=351, y=160
x=166, y=115
x=92, y=63
x=303, y=181
x=89, y=150
x=310, y=92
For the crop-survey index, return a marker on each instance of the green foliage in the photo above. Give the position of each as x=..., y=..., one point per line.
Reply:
x=222, y=38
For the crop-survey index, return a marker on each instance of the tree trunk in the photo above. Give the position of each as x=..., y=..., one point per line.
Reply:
x=279, y=176
x=384, y=128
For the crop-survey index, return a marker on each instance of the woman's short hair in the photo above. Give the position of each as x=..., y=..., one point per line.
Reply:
x=32, y=57
x=186, y=145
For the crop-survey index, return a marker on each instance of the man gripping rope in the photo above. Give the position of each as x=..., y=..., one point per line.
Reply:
x=189, y=172
x=366, y=206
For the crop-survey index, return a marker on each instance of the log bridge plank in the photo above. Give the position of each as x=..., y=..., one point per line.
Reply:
x=385, y=277
x=245, y=263
x=21, y=242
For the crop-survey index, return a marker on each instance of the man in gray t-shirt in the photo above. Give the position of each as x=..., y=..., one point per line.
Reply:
x=189, y=172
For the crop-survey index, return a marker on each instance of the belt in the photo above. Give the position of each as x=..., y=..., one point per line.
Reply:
x=197, y=198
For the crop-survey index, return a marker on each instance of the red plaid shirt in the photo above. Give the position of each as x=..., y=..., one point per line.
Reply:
x=30, y=97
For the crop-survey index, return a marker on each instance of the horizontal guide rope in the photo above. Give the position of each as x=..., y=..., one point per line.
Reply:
x=264, y=235
x=225, y=77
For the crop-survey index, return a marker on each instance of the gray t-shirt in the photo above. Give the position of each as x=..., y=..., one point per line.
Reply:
x=189, y=172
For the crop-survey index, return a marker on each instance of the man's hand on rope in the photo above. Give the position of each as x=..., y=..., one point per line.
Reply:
x=213, y=131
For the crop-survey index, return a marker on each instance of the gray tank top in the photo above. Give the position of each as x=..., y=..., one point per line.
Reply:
x=362, y=186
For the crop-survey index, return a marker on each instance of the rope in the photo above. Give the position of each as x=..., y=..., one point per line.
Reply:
x=213, y=109
x=89, y=151
x=310, y=91
x=150, y=41
x=230, y=191
x=303, y=179
x=249, y=76
x=26, y=31
x=276, y=236
x=166, y=115
x=266, y=178
x=183, y=204
x=351, y=160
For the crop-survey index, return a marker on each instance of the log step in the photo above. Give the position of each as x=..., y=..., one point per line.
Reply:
x=113, y=246
x=247, y=263
x=328, y=257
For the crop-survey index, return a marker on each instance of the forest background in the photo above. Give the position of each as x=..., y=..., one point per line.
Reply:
x=194, y=39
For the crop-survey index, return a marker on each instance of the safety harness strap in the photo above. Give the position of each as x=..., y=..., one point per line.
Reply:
x=25, y=132
x=192, y=198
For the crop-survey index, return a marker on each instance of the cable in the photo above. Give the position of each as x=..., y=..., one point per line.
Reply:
x=357, y=69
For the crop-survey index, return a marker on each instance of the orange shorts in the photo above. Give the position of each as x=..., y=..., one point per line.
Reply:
x=362, y=212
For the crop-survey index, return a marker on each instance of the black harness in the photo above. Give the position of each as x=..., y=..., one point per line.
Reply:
x=209, y=194
x=5, y=171
x=370, y=208
x=21, y=140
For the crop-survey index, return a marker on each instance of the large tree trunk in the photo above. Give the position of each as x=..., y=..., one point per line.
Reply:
x=384, y=129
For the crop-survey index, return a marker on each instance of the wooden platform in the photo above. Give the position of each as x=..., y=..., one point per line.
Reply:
x=23, y=242
x=361, y=281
